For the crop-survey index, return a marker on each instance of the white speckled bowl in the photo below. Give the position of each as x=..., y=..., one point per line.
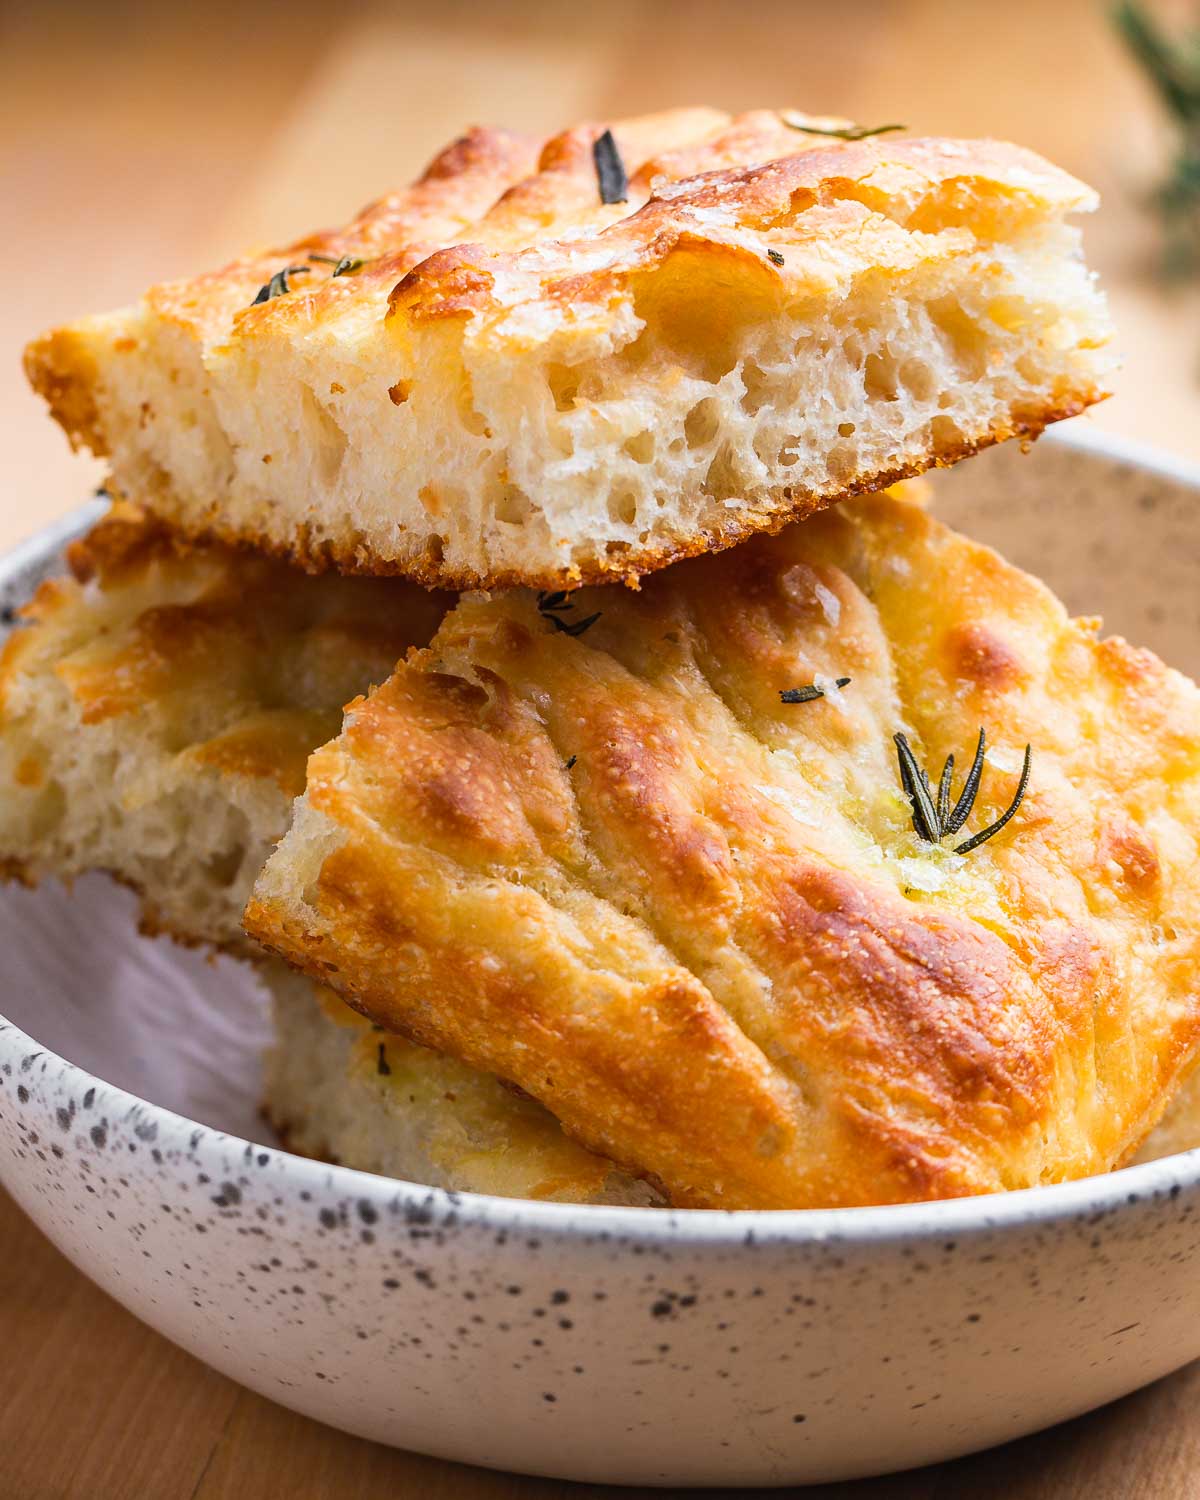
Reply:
x=639, y=1346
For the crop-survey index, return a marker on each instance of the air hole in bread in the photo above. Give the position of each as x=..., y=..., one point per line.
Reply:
x=852, y=348
x=945, y=434
x=623, y=508
x=702, y=423
x=721, y=481
x=513, y=505
x=962, y=335
x=323, y=436
x=640, y=447
x=563, y=382
x=474, y=421
x=758, y=385
x=917, y=379
x=879, y=376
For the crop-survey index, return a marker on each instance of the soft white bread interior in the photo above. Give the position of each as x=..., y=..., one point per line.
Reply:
x=157, y=707
x=509, y=380
x=343, y=1090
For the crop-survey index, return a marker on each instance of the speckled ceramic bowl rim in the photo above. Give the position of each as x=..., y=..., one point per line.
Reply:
x=715, y=1228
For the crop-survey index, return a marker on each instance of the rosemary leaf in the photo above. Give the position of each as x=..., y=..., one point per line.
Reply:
x=916, y=787
x=808, y=692
x=278, y=285
x=966, y=801
x=610, y=170
x=554, y=605
x=943, y=798
x=841, y=132
x=576, y=627
x=993, y=828
x=343, y=265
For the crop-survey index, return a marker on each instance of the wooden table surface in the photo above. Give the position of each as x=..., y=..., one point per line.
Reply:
x=142, y=141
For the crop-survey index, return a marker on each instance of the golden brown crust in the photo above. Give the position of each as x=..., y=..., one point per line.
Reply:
x=916, y=179
x=695, y=922
x=64, y=375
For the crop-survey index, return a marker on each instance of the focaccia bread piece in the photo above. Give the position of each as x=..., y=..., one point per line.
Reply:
x=158, y=706
x=584, y=844
x=342, y=1090
x=497, y=377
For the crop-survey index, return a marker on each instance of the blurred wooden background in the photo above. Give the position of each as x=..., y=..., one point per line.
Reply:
x=144, y=141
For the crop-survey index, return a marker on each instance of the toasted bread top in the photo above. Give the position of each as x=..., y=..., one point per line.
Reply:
x=603, y=858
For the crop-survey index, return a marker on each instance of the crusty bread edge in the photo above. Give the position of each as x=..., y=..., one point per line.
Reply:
x=60, y=367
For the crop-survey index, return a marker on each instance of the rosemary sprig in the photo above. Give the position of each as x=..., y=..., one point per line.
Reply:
x=610, y=170
x=808, y=692
x=1173, y=67
x=343, y=265
x=841, y=132
x=278, y=286
x=554, y=605
x=933, y=817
